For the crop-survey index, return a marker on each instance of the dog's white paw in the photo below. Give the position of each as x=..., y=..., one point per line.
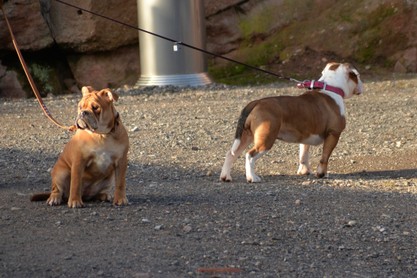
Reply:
x=303, y=170
x=225, y=178
x=253, y=179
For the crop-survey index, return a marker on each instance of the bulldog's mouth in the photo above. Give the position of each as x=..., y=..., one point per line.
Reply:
x=83, y=122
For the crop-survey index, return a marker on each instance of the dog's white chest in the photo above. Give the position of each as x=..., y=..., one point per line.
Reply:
x=103, y=160
x=105, y=157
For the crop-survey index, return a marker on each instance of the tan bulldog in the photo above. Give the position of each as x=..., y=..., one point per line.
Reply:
x=95, y=159
x=313, y=118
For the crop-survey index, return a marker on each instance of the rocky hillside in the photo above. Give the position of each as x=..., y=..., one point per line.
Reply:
x=66, y=48
x=297, y=37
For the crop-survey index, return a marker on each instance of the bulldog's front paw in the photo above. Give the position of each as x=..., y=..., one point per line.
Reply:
x=122, y=201
x=54, y=200
x=75, y=203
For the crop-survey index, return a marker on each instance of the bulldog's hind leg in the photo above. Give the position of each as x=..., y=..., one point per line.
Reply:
x=60, y=183
x=329, y=144
x=264, y=139
x=239, y=145
x=304, y=166
x=120, y=186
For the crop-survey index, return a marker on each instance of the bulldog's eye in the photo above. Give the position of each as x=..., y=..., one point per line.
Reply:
x=95, y=108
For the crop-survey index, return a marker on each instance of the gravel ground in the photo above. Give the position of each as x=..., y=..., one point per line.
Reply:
x=360, y=221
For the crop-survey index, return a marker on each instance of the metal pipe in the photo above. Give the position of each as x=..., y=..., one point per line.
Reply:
x=163, y=62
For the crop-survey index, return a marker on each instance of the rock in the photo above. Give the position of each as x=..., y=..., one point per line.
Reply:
x=9, y=84
x=407, y=61
x=135, y=129
x=106, y=69
x=25, y=17
x=113, y=55
x=81, y=31
x=187, y=229
x=351, y=223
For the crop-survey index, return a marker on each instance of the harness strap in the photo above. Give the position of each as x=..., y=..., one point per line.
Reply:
x=29, y=77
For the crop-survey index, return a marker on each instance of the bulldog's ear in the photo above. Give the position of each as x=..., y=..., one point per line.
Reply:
x=87, y=90
x=111, y=95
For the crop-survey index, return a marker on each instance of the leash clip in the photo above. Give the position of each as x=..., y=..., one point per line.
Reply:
x=176, y=46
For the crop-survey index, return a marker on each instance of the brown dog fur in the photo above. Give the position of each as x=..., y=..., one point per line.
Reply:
x=313, y=118
x=95, y=159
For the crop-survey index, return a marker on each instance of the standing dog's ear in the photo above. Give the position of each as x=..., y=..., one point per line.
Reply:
x=86, y=90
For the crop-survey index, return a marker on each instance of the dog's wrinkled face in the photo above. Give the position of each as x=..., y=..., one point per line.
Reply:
x=96, y=112
x=344, y=76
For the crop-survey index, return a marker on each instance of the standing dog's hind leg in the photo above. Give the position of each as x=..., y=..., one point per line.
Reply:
x=264, y=139
x=239, y=145
x=250, y=166
x=328, y=146
x=304, y=166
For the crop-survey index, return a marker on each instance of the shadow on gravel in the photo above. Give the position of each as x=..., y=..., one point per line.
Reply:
x=383, y=174
x=25, y=169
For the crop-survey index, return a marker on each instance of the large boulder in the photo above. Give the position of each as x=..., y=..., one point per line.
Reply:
x=9, y=84
x=91, y=50
x=80, y=31
x=30, y=29
x=106, y=68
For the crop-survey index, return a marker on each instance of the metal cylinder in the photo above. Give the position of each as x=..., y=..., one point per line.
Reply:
x=164, y=62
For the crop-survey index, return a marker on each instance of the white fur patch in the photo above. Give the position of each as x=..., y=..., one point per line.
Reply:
x=339, y=78
x=103, y=161
x=304, y=166
x=339, y=101
x=312, y=140
x=250, y=167
x=235, y=146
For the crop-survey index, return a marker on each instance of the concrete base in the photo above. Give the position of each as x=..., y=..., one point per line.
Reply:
x=181, y=80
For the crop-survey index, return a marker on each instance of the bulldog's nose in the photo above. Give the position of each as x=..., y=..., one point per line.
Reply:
x=83, y=113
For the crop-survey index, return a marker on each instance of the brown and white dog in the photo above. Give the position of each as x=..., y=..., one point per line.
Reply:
x=313, y=118
x=95, y=159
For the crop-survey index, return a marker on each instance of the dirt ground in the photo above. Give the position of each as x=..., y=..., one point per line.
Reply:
x=360, y=221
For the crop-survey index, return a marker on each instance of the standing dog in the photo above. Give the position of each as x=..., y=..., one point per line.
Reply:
x=95, y=159
x=313, y=118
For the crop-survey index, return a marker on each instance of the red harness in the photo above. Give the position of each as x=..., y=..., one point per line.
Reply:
x=318, y=85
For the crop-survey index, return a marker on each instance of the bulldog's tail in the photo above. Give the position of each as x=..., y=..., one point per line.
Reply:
x=242, y=119
x=40, y=197
x=241, y=124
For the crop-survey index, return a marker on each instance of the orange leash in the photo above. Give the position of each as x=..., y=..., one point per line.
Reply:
x=30, y=79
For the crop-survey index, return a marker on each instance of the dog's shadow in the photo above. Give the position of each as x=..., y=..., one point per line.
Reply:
x=362, y=175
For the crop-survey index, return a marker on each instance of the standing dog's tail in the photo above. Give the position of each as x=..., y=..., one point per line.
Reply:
x=241, y=124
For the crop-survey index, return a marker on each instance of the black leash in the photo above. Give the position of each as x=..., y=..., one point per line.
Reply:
x=179, y=42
